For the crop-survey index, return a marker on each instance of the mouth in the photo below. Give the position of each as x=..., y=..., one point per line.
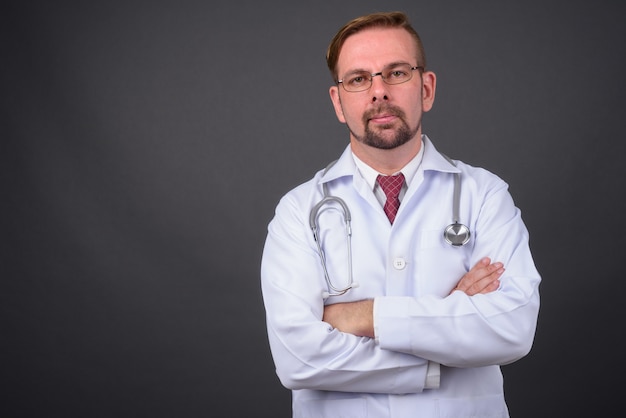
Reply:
x=383, y=116
x=383, y=119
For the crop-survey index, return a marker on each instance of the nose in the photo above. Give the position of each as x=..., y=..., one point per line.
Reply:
x=379, y=88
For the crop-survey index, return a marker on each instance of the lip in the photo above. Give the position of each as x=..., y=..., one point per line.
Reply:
x=383, y=118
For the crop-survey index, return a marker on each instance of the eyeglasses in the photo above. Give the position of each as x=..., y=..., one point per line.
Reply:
x=362, y=80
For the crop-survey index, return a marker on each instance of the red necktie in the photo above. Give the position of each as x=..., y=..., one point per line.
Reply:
x=391, y=185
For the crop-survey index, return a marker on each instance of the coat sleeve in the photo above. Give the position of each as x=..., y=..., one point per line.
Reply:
x=485, y=329
x=307, y=352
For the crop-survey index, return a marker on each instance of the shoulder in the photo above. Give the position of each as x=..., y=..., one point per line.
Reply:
x=480, y=178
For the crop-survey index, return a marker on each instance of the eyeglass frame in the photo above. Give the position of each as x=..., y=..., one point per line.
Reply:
x=380, y=73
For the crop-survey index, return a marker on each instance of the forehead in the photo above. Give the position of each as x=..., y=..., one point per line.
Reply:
x=374, y=48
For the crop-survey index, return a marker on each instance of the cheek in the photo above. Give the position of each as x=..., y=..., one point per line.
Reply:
x=416, y=106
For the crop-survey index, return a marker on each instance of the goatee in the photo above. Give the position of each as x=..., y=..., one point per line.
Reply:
x=376, y=138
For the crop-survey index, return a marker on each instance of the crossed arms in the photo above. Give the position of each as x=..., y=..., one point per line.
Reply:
x=357, y=318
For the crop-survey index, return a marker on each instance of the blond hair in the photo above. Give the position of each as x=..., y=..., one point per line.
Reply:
x=381, y=20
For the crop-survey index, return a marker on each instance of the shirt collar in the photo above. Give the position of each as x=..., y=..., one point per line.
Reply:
x=427, y=159
x=409, y=170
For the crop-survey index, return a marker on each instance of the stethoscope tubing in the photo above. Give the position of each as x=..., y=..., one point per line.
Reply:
x=455, y=234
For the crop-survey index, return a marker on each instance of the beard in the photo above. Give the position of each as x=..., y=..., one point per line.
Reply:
x=379, y=137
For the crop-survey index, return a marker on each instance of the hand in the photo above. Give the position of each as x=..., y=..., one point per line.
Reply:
x=482, y=278
x=357, y=318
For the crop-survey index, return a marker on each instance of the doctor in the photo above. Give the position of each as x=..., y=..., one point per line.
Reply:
x=417, y=327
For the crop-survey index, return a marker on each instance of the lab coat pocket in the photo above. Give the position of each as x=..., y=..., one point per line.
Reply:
x=490, y=406
x=436, y=258
x=430, y=238
x=331, y=408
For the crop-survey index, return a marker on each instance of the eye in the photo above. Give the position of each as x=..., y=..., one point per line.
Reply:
x=397, y=73
x=357, y=79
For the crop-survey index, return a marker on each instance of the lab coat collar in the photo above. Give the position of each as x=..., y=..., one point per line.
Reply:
x=432, y=160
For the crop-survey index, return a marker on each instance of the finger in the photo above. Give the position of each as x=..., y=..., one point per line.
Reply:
x=478, y=272
x=480, y=279
x=478, y=268
x=483, y=262
x=488, y=283
x=493, y=286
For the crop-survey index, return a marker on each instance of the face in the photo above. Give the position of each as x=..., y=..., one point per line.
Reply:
x=384, y=116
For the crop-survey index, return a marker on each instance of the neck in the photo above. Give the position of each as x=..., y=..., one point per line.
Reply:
x=387, y=161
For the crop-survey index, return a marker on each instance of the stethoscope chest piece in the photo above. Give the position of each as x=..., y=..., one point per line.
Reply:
x=456, y=234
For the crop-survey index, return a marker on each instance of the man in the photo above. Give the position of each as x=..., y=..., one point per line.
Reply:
x=389, y=320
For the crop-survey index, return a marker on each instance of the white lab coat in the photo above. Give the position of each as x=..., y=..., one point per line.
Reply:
x=409, y=270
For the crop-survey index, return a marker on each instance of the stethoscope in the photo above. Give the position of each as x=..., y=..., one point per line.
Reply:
x=455, y=234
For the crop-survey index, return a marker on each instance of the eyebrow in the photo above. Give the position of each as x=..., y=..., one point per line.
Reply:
x=391, y=65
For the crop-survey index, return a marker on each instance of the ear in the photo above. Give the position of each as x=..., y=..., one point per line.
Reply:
x=334, y=97
x=429, y=85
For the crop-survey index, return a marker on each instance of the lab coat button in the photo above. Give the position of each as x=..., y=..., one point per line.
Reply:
x=399, y=263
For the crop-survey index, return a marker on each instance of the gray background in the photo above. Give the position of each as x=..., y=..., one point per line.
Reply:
x=144, y=146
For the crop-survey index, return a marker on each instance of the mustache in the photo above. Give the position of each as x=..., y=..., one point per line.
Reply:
x=386, y=109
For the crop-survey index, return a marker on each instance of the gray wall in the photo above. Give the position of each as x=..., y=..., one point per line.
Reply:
x=144, y=146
